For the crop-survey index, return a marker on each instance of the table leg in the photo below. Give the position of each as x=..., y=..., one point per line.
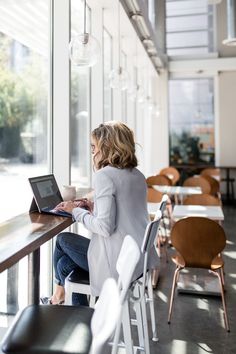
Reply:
x=33, y=277
x=227, y=184
x=12, y=289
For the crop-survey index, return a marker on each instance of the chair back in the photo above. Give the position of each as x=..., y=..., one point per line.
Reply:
x=172, y=173
x=149, y=239
x=160, y=180
x=210, y=172
x=215, y=185
x=202, y=199
x=106, y=315
x=153, y=196
x=198, y=240
x=126, y=263
x=198, y=182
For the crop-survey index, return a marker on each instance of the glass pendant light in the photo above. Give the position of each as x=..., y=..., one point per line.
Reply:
x=84, y=49
x=119, y=77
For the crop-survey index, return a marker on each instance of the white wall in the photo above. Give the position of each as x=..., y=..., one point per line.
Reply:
x=227, y=118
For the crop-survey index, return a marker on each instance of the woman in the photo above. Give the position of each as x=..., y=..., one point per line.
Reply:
x=120, y=208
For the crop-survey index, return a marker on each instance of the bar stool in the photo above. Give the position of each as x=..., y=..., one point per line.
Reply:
x=45, y=329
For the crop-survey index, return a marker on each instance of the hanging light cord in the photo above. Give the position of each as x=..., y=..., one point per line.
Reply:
x=119, y=65
x=85, y=7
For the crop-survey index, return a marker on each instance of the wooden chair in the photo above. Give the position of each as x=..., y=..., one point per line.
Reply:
x=172, y=173
x=198, y=242
x=215, y=185
x=154, y=196
x=198, y=182
x=161, y=180
x=213, y=172
x=202, y=199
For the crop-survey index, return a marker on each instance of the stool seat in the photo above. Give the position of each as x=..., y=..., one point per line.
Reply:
x=46, y=329
x=79, y=275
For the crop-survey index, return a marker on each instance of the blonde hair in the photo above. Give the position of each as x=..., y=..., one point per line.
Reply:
x=116, y=145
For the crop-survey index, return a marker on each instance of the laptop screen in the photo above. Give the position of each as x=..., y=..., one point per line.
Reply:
x=46, y=191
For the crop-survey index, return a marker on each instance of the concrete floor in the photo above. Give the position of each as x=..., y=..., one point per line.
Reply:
x=197, y=324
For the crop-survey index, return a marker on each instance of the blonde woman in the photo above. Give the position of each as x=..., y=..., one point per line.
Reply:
x=120, y=208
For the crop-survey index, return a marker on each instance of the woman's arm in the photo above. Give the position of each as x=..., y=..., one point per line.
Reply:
x=102, y=222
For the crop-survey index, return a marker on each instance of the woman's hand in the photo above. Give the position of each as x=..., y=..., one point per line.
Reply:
x=85, y=203
x=70, y=205
x=66, y=206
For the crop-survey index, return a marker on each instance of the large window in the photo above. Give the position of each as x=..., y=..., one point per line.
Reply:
x=80, y=106
x=107, y=67
x=189, y=27
x=24, y=86
x=191, y=115
x=24, y=123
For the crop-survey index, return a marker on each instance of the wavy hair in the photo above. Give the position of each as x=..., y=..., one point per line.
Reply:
x=116, y=145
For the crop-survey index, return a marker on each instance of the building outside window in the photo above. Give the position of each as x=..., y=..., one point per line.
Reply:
x=191, y=112
x=80, y=106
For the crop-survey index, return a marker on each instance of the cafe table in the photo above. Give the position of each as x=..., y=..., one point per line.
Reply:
x=22, y=236
x=197, y=281
x=207, y=211
x=179, y=192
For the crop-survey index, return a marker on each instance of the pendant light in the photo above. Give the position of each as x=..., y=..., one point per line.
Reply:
x=119, y=77
x=136, y=92
x=84, y=49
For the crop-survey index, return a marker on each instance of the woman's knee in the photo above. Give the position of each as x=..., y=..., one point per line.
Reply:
x=61, y=239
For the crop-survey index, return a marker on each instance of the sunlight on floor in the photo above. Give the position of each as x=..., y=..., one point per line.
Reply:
x=203, y=304
x=162, y=296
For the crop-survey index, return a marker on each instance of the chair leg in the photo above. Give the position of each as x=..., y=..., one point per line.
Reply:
x=152, y=311
x=127, y=329
x=145, y=325
x=155, y=275
x=68, y=293
x=173, y=291
x=223, y=302
x=139, y=319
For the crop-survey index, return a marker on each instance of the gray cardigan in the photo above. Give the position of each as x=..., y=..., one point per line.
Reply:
x=120, y=208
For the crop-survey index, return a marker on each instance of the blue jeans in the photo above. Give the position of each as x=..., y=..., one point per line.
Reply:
x=70, y=252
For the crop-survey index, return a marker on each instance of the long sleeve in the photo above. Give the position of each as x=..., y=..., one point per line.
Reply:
x=103, y=220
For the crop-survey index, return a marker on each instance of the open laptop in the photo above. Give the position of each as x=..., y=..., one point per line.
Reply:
x=46, y=195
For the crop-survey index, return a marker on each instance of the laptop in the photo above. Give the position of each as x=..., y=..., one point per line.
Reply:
x=46, y=195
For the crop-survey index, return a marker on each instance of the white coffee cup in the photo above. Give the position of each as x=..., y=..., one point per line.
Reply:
x=68, y=193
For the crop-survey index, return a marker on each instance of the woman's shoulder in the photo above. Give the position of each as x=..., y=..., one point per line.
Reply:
x=114, y=171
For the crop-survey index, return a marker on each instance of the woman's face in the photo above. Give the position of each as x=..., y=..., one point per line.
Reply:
x=94, y=150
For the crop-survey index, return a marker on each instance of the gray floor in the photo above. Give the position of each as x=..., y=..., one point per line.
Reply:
x=197, y=324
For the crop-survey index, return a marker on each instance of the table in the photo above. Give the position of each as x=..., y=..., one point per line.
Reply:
x=211, y=212
x=178, y=191
x=196, y=281
x=22, y=236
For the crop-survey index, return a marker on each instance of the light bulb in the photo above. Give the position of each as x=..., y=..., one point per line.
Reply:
x=119, y=79
x=84, y=50
x=137, y=93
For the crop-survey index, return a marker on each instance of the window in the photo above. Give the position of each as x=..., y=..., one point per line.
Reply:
x=191, y=115
x=80, y=106
x=24, y=87
x=107, y=67
x=189, y=27
x=124, y=92
x=24, y=121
